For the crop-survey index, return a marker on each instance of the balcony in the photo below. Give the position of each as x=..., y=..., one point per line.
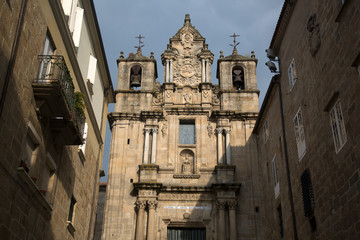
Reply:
x=56, y=100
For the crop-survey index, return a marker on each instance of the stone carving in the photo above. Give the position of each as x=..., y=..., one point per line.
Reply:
x=187, y=40
x=227, y=130
x=187, y=176
x=158, y=98
x=187, y=161
x=186, y=165
x=314, y=34
x=155, y=130
x=184, y=196
x=140, y=204
x=221, y=204
x=187, y=97
x=164, y=130
x=210, y=130
x=146, y=193
x=205, y=94
x=219, y=130
x=232, y=204
x=215, y=99
x=187, y=69
x=168, y=93
x=152, y=204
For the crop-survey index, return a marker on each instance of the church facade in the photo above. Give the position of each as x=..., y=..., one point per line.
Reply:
x=180, y=151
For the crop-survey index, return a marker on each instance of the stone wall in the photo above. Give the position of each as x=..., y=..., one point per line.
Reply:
x=322, y=38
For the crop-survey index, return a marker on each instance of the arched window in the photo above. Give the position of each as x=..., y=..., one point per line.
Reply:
x=238, y=77
x=135, y=77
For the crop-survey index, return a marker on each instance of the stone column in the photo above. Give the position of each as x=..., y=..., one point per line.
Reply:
x=146, y=146
x=153, y=145
x=171, y=71
x=140, y=204
x=151, y=224
x=221, y=221
x=227, y=144
x=207, y=63
x=219, y=145
x=167, y=70
x=203, y=70
x=232, y=218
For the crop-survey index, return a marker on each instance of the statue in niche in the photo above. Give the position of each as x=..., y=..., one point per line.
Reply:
x=187, y=162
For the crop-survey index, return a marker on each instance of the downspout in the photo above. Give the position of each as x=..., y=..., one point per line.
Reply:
x=14, y=49
x=286, y=158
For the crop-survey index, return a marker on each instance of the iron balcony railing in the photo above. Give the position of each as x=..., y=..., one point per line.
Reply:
x=53, y=71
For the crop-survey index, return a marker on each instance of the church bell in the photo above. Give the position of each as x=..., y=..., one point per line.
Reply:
x=135, y=79
x=238, y=79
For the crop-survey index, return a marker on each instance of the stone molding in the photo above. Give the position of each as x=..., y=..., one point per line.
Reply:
x=149, y=167
x=187, y=176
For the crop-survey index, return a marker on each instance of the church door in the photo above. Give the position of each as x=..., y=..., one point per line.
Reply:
x=186, y=234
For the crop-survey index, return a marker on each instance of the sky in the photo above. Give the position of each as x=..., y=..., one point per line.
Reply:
x=158, y=20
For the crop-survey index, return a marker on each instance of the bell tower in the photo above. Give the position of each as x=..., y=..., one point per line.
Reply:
x=237, y=81
x=137, y=72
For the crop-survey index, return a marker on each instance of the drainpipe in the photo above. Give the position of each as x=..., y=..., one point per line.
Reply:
x=276, y=78
x=13, y=55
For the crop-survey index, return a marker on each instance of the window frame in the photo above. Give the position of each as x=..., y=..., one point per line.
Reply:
x=266, y=131
x=187, y=122
x=299, y=134
x=292, y=74
x=338, y=126
x=275, y=177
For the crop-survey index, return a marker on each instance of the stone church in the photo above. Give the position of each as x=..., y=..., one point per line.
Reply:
x=181, y=158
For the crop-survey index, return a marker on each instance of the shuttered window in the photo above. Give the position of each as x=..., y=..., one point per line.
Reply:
x=92, y=69
x=307, y=193
x=77, y=25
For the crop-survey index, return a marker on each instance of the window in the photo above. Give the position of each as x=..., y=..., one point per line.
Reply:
x=91, y=73
x=275, y=177
x=280, y=219
x=266, y=131
x=74, y=14
x=30, y=145
x=299, y=134
x=82, y=147
x=70, y=222
x=46, y=65
x=48, y=173
x=338, y=126
x=307, y=193
x=187, y=132
x=71, y=209
x=292, y=74
x=238, y=77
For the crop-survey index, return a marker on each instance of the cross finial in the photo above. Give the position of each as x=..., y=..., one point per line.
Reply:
x=140, y=42
x=235, y=43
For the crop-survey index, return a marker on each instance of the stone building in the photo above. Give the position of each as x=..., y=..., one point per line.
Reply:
x=308, y=126
x=180, y=151
x=55, y=88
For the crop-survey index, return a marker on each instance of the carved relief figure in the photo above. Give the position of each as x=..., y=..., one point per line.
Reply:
x=187, y=97
x=187, y=161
